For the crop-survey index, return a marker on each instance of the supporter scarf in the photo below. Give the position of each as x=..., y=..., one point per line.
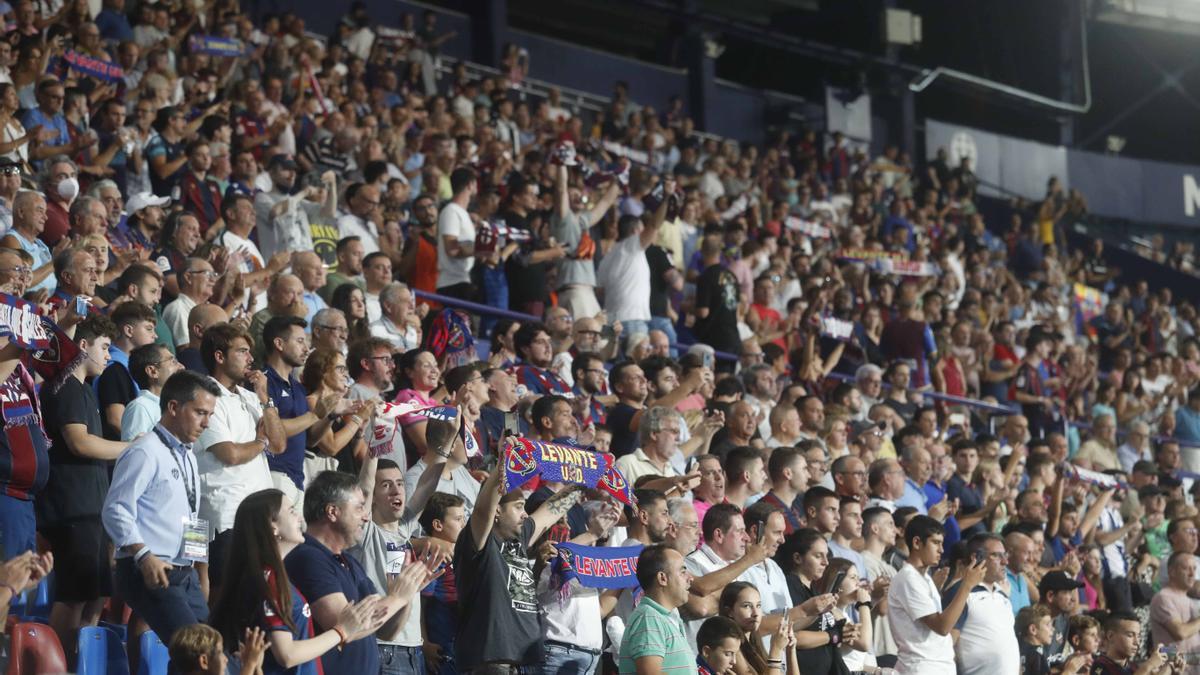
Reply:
x=216, y=46
x=101, y=70
x=562, y=463
x=807, y=227
x=387, y=422
x=1095, y=477
x=1089, y=304
x=865, y=254
x=595, y=566
x=737, y=208
x=907, y=268
x=20, y=323
x=495, y=234
x=449, y=338
x=639, y=156
x=316, y=87
x=57, y=359
x=838, y=329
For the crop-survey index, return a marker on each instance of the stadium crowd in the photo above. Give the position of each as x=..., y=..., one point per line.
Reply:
x=870, y=420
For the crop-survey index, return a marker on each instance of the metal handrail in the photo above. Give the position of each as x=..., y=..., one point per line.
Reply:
x=521, y=316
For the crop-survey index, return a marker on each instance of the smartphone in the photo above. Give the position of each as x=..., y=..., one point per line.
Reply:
x=837, y=582
x=607, y=332
x=512, y=425
x=979, y=556
x=81, y=305
x=707, y=359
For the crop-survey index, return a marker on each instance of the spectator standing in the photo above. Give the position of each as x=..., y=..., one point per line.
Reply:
x=69, y=509
x=1060, y=594
x=116, y=387
x=196, y=282
x=286, y=348
x=153, y=504
x=323, y=572
x=570, y=225
x=151, y=366
x=497, y=592
x=536, y=352
x=986, y=641
x=231, y=453
x=1174, y=615
x=456, y=238
x=920, y=624
x=267, y=529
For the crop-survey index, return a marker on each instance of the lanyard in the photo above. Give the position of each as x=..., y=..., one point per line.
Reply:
x=183, y=467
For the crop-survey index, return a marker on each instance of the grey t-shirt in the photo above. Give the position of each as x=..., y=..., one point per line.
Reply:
x=570, y=230
x=383, y=553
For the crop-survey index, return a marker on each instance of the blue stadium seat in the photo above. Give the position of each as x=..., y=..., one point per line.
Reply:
x=101, y=652
x=37, y=602
x=120, y=629
x=155, y=658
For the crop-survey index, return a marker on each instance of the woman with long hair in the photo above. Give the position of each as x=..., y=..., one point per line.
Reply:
x=803, y=556
x=14, y=141
x=350, y=299
x=324, y=375
x=417, y=376
x=741, y=602
x=265, y=529
x=852, y=593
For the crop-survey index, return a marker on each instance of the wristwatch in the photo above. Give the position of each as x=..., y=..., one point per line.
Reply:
x=269, y=404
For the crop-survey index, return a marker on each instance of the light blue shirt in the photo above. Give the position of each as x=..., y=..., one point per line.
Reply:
x=1187, y=424
x=1018, y=590
x=838, y=551
x=41, y=255
x=141, y=415
x=913, y=496
x=147, y=501
x=314, y=303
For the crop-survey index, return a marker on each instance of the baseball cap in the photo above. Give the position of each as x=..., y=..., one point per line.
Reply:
x=143, y=199
x=1058, y=581
x=1148, y=491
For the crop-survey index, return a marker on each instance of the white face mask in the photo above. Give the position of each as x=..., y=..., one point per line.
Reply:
x=68, y=188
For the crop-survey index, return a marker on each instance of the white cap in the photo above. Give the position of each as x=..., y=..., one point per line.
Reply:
x=143, y=199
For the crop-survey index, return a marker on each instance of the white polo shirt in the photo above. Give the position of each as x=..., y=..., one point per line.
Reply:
x=223, y=486
x=638, y=464
x=913, y=595
x=767, y=576
x=987, y=642
x=700, y=562
x=404, y=340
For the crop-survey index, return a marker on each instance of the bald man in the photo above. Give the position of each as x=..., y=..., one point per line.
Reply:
x=198, y=321
x=309, y=267
x=285, y=297
x=660, y=344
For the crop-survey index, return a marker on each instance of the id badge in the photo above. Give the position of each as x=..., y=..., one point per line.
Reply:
x=195, y=540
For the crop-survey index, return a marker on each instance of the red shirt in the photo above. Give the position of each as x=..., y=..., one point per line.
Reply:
x=58, y=223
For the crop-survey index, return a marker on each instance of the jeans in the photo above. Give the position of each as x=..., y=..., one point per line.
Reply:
x=165, y=610
x=562, y=659
x=399, y=660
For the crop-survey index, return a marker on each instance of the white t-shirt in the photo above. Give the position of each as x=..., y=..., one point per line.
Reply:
x=454, y=221
x=986, y=642
x=913, y=595
x=351, y=225
x=223, y=486
x=175, y=315
x=573, y=620
x=624, y=274
x=459, y=483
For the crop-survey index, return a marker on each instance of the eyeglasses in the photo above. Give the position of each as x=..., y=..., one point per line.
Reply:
x=340, y=330
x=19, y=271
x=861, y=474
x=209, y=273
x=11, y=170
x=594, y=333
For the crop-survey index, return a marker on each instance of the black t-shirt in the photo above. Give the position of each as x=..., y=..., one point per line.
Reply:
x=1033, y=662
x=717, y=290
x=497, y=601
x=114, y=387
x=77, y=485
x=526, y=281
x=190, y=359
x=624, y=437
x=659, y=261
x=823, y=660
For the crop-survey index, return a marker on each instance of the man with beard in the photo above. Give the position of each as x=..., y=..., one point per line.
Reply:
x=285, y=297
x=629, y=384
x=231, y=454
x=497, y=592
x=286, y=347
x=501, y=403
x=349, y=267
x=588, y=371
x=536, y=351
x=418, y=263
x=286, y=214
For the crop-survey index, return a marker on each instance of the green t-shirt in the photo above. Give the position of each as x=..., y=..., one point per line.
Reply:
x=654, y=631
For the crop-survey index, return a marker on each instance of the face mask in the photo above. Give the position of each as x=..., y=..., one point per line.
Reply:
x=68, y=188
